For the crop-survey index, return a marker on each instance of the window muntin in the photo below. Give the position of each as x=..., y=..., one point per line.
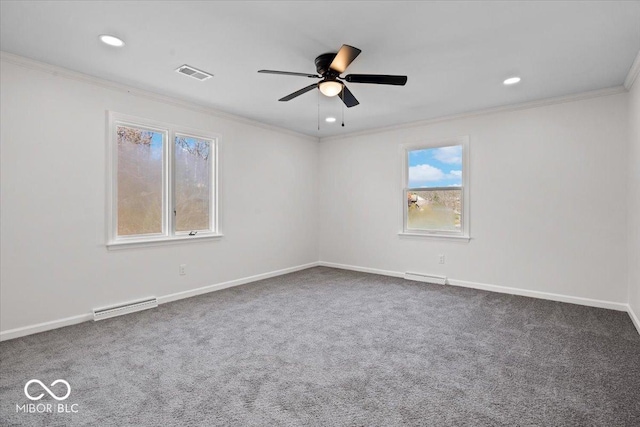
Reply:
x=162, y=182
x=434, y=193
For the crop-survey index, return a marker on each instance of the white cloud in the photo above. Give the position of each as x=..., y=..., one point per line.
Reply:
x=423, y=173
x=449, y=155
x=455, y=174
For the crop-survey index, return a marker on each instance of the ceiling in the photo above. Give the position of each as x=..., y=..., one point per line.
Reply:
x=455, y=54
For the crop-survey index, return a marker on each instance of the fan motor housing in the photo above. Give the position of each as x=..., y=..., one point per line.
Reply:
x=323, y=62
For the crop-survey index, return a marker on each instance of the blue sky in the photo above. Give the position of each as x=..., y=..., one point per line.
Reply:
x=156, y=139
x=435, y=167
x=156, y=144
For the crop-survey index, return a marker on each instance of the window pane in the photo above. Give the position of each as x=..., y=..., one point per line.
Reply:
x=434, y=210
x=139, y=181
x=192, y=183
x=435, y=189
x=435, y=167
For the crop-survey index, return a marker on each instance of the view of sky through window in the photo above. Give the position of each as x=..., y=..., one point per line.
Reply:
x=435, y=167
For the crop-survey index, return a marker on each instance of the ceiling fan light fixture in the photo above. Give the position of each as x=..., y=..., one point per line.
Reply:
x=330, y=88
x=329, y=67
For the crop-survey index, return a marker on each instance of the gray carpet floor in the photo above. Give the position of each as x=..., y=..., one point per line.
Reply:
x=326, y=347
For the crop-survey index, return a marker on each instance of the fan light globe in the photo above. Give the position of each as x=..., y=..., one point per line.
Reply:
x=330, y=88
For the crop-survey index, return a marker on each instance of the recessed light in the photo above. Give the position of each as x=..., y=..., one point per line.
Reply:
x=511, y=81
x=330, y=119
x=111, y=40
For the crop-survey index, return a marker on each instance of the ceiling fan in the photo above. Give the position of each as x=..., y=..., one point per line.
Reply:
x=330, y=66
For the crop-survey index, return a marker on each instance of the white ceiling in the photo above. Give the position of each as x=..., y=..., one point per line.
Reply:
x=456, y=54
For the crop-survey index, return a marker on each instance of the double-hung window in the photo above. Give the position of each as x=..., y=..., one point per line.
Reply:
x=162, y=184
x=435, y=196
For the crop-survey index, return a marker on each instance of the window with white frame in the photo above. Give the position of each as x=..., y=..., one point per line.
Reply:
x=436, y=188
x=162, y=183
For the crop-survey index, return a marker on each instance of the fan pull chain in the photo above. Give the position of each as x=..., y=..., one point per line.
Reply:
x=342, y=107
x=318, y=91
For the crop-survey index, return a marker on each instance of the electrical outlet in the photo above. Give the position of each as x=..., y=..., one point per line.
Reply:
x=183, y=269
x=441, y=259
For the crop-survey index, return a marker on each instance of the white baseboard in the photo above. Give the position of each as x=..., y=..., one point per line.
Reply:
x=495, y=288
x=634, y=318
x=619, y=306
x=361, y=269
x=55, y=324
x=46, y=326
x=232, y=283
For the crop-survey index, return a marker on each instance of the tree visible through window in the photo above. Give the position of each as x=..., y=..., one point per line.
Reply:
x=139, y=181
x=434, y=190
x=164, y=183
x=192, y=183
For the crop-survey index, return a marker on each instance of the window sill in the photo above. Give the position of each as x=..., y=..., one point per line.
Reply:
x=435, y=236
x=162, y=241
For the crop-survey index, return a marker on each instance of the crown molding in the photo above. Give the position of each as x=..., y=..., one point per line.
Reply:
x=154, y=96
x=97, y=81
x=484, y=112
x=633, y=73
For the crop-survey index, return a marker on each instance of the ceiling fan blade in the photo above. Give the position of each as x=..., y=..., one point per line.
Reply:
x=344, y=57
x=289, y=73
x=299, y=92
x=348, y=98
x=380, y=79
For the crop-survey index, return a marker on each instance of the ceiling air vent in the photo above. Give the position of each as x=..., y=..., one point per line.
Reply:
x=188, y=70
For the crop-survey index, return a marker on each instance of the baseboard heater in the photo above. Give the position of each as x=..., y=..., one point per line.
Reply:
x=120, y=309
x=428, y=278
